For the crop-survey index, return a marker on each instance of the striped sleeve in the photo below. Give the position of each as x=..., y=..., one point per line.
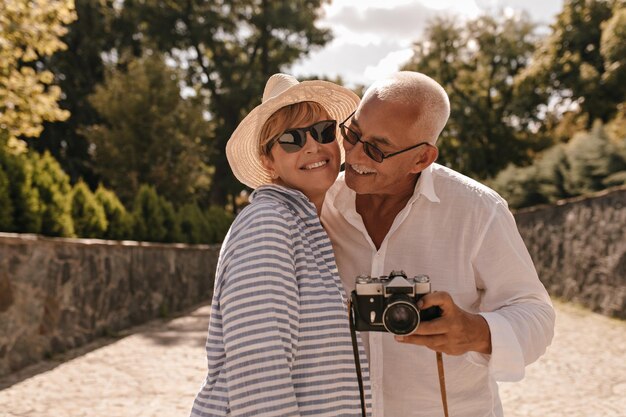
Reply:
x=259, y=312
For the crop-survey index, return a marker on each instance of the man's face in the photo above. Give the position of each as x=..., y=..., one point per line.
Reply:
x=390, y=127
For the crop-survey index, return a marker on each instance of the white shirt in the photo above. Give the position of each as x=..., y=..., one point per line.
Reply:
x=461, y=234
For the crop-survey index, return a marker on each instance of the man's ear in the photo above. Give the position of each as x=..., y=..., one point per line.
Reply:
x=427, y=157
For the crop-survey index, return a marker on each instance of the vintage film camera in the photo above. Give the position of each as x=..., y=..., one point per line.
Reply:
x=388, y=303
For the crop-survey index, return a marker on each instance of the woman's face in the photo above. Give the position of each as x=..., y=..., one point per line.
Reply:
x=311, y=168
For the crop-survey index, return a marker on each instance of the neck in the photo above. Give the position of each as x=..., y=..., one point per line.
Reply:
x=386, y=203
x=316, y=199
x=318, y=202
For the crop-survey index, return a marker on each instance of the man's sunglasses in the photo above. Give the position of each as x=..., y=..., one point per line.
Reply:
x=292, y=140
x=370, y=150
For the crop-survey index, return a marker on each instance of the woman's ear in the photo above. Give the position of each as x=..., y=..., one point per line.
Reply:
x=268, y=164
x=427, y=157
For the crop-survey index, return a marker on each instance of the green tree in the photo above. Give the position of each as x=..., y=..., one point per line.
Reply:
x=87, y=214
x=613, y=51
x=91, y=41
x=476, y=63
x=229, y=50
x=27, y=94
x=580, y=65
x=150, y=133
x=120, y=222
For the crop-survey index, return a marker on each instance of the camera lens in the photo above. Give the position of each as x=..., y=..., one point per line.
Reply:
x=401, y=317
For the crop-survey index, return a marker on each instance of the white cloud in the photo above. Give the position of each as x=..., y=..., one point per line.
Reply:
x=388, y=65
x=345, y=59
x=373, y=38
x=404, y=23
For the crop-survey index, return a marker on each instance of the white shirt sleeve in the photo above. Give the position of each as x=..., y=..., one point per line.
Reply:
x=514, y=302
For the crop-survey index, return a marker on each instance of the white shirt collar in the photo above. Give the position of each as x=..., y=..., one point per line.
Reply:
x=344, y=198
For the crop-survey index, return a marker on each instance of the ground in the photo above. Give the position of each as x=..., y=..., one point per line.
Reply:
x=156, y=370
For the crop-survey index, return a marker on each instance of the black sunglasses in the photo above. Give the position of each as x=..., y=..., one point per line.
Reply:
x=292, y=140
x=370, y=150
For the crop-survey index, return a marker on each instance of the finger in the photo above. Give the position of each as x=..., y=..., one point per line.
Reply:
x=437, y=298
x=433, y=327
x=437, y=342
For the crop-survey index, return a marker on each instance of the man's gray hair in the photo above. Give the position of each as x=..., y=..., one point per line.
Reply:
x=425, y=97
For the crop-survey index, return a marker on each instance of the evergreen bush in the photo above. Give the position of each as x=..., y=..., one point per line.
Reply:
x=87, y=213
x=591, y=157
x=170, y=221
x=54, y=191
x=148, y=216
x=552, y=171
x=26, y=213
x=120, y=222
x=194, y=226
x=519, y=186
x=6, y=205
x=219, y=222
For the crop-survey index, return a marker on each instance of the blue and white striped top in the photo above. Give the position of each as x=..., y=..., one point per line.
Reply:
x=279, y=339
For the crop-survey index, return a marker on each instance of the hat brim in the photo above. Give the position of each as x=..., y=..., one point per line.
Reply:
x=242, y=147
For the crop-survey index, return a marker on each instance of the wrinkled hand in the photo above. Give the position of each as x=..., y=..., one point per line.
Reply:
x=454, y=333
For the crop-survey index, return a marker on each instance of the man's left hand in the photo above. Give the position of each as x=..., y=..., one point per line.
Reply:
x=454, y=333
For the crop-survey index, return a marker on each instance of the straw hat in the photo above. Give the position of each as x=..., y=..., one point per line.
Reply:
x=242, y=149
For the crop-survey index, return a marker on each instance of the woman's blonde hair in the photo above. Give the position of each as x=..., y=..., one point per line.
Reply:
x=293, y=115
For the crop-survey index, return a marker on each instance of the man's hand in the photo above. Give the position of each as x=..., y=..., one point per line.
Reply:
x=454, y=333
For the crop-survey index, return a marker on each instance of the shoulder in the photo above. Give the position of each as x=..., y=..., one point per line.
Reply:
x=338, y=197
x=262, y=219
x=455, y=188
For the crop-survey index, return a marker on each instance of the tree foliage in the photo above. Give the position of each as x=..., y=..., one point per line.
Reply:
x=30, y=30
x=581, y=65
x=227, y=51
x=476, y=64
x=590, y=162
x=90, y=40
x=149, y=134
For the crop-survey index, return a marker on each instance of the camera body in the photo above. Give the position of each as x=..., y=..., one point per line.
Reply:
x=389, y=303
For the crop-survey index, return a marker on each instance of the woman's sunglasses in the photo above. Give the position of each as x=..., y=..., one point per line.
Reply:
x=292, y=140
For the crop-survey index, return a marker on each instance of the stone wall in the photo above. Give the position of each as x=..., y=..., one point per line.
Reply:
x=579, y=249
x=56, y=294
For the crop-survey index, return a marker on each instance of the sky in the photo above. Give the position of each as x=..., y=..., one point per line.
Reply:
x=373, y=38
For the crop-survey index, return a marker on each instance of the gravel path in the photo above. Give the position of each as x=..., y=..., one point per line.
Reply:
x=156, y=369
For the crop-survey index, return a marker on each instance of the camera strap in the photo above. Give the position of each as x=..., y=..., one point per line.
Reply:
x=357, y=362
x=442, y=384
